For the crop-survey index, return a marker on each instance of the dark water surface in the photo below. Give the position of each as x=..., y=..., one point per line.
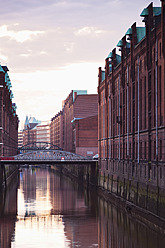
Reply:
x=46, y=210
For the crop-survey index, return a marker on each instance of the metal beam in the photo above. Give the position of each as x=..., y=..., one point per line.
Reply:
x=60, y=162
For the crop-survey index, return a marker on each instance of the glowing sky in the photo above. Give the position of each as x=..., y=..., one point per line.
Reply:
x=52, y=47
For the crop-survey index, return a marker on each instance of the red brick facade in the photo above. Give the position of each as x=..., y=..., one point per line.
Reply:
x=86, y=136
x=29, y=136
x=132, y=94
x=8, y=118
x=76, y=123
x=56, y=130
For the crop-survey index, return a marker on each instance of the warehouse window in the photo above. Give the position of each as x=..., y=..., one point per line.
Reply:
x=160, y=51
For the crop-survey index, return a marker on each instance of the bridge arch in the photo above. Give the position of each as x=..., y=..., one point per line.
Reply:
x=49, y=155
x=38, y=146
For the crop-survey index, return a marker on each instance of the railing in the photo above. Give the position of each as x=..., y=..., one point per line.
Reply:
x=49, y=155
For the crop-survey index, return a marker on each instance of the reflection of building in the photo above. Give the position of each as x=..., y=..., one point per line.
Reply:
x=29, y=188
x=8, y=117
x=62, y=196
x=35, y=185
x=75, y=128
x=131, y=96
x=8, y=212
x=118, y=229
x=81, y=231
x=80, y=223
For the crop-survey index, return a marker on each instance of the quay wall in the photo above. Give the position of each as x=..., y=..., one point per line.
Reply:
x=85, y=174
x=139, y=188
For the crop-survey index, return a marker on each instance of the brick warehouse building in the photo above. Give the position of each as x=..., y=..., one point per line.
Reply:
x=8, y=118
x=56, y=130
x=85, y=133
x=75, y=128
x=132, y=103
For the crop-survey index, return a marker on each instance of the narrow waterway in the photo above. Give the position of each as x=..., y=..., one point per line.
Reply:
x=44, y=209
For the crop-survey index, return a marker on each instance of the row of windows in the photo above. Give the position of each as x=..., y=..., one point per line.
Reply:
x=114, y=149
x=142, y=169
x=133, y=107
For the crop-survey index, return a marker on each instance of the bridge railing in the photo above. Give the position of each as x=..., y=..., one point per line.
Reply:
x=49, y=155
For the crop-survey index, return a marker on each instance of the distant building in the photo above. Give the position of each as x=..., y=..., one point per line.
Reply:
x=74, y=129
x=56, y=130
x=69, y=113
x=29, y=131
x=36, y=132
x=31, y=122
x=43, y=132
x=8, y=117
x=85, y=135
x=20, y=138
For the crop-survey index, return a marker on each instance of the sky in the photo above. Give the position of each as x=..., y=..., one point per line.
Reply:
x=52, y=47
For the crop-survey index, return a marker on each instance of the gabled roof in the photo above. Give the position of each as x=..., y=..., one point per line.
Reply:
x=103, y=75
x=109, y=55
x=33, y=120
x=118, y=59
x=79, y=92
x=1, y=69
x=156, y=12
x=129, y=31
x=141, y=33
x=5, y=68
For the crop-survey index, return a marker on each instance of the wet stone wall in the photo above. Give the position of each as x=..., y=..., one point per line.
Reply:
x=85, y=174
x=140, y=184
x=135, y=187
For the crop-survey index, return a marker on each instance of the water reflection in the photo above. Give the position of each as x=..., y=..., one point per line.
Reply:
x=52, y=211
x=118, y=230
x=8, y=212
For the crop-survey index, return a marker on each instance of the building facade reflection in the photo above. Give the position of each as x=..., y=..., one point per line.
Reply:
x=78, y=215
x=8, y=213
x=49, y=210
x=116, y=229
x=52, y=206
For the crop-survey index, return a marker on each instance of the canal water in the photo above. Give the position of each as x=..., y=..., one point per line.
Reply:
x=44, y=209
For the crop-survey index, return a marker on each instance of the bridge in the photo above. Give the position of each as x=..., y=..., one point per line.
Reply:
x=35, y=146
x=50, y=155
x=46, y=155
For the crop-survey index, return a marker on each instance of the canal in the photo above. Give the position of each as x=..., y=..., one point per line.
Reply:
x=44, y=209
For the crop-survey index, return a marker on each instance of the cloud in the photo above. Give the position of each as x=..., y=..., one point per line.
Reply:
x=69, y=46
x=55, y=48
x=86, y=31
x=3, y=57
x=19, y=36
x=53, y=34
x=46, y=38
